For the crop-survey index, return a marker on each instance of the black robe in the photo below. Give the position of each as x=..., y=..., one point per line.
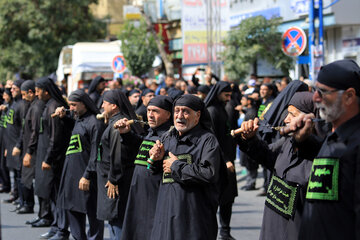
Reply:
x=3, y=125
x=54, y=136
x=222, y=128
x=290, y=162
x=80, y=162
x=116, y=165
x=188, y=198
x=140, y=209
x=97, y=98
x=142, y=111
x=30, y=139
x=16, y=114
x=332, y=206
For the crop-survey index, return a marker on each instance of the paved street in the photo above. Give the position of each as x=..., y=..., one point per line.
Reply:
x=246, y=220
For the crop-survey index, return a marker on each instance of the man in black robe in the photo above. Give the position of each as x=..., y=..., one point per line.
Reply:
x=332, y=206
x=116, y=162
x=145, y=97
x=140, y=209
x=78, y=186
x=215, y=103
x=5, y=175
x=29, y=142
x=188, y=197
x=16, y=113
x=54, y=136
x=96, y=89
x=133, y=97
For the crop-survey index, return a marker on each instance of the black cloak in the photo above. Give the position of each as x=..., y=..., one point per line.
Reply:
x=118, y=98
x=94, y=83
x=81, y=96
x=48, y=85
x=275, y=116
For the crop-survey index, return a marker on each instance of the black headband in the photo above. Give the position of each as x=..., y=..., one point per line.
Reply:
x=28, y=85
x=163, y=102
x=81, y=96
x=303, y=101
x=341, y=75
x=18, y=82
x=191, y=101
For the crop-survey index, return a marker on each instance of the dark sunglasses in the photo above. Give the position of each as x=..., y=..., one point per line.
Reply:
x=323, y=92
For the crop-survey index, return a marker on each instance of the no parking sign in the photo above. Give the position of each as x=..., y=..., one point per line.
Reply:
x=118, y=64
x=294, y=42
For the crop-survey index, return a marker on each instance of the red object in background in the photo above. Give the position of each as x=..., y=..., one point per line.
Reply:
x=165, y=37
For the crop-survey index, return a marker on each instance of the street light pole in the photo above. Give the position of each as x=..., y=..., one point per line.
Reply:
x=316, y=41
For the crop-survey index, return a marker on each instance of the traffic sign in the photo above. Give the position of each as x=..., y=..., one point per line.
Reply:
x=118, y=64
x=293, y=42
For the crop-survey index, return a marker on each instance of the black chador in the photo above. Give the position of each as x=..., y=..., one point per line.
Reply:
x=290, y=165
x=80, y=162
x=188, y=197
x=116, y=161
x=94, y=94
x=140, y=209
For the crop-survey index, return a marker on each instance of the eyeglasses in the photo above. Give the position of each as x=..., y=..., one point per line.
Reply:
x=322, y=91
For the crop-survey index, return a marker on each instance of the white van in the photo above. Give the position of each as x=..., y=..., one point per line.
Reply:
x=88, y=60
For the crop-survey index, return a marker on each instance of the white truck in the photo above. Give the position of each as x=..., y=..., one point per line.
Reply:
x=83, y=61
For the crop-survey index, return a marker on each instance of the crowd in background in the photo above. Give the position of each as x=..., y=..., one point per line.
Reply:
x=61, y=150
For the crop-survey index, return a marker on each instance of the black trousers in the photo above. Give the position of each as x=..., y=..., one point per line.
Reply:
x=45, y=209
x=225, y=212
x=27, y=195
x=77, y=222
x=19, y=186
x=5, y=175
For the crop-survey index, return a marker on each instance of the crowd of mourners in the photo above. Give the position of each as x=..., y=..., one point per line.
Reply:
x=156, y=161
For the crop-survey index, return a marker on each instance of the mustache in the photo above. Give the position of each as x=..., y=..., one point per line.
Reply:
x=182, y=121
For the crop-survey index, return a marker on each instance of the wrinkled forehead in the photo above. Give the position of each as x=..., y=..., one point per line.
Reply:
x=185, y=109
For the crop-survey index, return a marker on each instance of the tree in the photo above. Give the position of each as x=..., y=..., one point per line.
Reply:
x=164, y=56
x=138, y=46
x=33, y=32
x=255, y=38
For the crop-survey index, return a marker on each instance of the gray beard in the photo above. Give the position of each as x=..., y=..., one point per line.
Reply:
x=332, y=112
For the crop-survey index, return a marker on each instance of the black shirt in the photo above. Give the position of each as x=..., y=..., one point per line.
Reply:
x=332, y=207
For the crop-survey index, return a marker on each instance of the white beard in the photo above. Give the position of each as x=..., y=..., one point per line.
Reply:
x=332, y=112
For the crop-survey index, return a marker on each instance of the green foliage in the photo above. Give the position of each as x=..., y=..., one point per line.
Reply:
x=255, y=38
x=33, y=32
x=138, y=46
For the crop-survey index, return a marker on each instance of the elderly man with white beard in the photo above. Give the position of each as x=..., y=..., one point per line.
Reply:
x=188, y=196
x=332, y=207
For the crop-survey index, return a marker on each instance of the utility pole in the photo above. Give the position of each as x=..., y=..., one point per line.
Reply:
x=316, y=39
x=213, y=35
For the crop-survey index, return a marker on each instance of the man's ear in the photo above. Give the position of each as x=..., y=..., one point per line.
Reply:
x=113, y=106
x=350, y=96
x=198, y=114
